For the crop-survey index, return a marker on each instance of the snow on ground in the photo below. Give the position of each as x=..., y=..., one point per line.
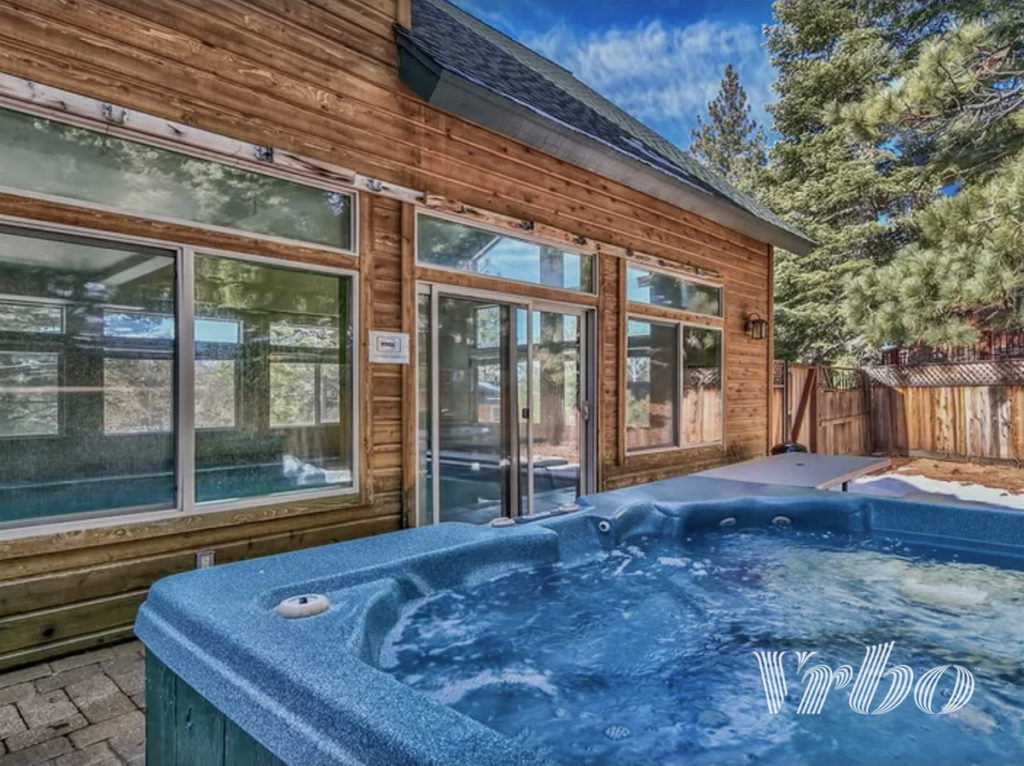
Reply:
x=900, y=485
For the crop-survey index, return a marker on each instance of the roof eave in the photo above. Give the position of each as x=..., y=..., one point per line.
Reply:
x=457, y=94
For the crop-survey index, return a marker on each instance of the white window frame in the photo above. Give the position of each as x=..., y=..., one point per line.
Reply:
x=184, y=422
x=680, y=393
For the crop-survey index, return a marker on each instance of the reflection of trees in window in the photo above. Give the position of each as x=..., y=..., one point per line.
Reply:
x=293, y=399
x=444, y=243
x=702, y=385
x=90, y=166
x=305, y=375
x=702, y=349
x=652, y=374
x=455, y=245
x=658, y=289
x=137, y=395
x=31, y=318
x=215, y=393
x=488, y=327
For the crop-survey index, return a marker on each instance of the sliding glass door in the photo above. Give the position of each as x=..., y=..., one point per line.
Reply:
x=501, y=407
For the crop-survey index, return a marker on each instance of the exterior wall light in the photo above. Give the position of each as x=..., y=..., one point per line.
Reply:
x=756, y=327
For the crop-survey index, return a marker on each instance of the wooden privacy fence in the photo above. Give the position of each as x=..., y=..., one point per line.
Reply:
x=970, y=411
x=826, y=409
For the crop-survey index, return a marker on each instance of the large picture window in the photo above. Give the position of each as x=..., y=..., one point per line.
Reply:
x=276, y=353
x=673, y=395
x=702, y=385
x=49, y=157
x=453, y=245
x=652, y=385
x=86, y=375
x=92, y=416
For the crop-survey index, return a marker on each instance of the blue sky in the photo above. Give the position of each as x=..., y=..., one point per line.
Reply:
x=662, y=61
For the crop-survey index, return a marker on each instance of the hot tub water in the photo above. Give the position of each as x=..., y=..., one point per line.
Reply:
x=645, y=654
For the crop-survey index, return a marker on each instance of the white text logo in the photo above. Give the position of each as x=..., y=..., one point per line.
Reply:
x=819, y=679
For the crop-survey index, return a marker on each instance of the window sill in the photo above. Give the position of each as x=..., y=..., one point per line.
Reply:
x=56, y=536
x=683, y=448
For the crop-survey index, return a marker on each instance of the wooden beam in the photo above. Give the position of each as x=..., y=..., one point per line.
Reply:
x=365, y=302
x=770, y=316
x=410, y=415
x=405, y=13
x=622, y=354
x=517, y=227
x=499, y=285
x=674, y=315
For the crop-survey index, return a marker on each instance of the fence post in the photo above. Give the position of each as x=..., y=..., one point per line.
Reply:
x=787, y=378
x=819, y=427
x=865, y=381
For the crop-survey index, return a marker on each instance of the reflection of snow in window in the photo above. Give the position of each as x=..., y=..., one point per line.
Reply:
x=28, y=394
x=31, y=318
x=305, y=336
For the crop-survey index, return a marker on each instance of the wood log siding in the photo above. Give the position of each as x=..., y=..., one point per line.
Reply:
x=318, y=78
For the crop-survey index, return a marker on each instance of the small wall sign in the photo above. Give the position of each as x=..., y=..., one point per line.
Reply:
x=389, y=347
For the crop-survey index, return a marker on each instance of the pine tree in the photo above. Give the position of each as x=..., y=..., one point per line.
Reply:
x=852, y=193
x=963, y=100
x=730, y=142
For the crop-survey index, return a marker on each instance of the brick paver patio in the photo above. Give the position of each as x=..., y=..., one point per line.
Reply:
x=85, y=710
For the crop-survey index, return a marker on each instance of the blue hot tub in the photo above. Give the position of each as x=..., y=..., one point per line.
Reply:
x=647, y=628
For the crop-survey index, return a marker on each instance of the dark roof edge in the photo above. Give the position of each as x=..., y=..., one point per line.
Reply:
x=455, y=93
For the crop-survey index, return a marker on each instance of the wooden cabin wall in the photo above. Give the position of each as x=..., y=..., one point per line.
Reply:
x=318, y=77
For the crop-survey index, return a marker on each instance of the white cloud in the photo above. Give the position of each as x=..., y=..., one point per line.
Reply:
x=664, y=76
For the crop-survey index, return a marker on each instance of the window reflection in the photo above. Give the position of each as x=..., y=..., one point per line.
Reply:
x=655, y=288
x=86, y=375
x=453, y=245
x=275, y=350
x=51, y=157
x=652, y=384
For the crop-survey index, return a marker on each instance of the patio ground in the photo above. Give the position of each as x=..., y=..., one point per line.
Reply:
x=84, y=710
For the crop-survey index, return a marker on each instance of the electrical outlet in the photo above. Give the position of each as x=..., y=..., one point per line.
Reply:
x=204, y=559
